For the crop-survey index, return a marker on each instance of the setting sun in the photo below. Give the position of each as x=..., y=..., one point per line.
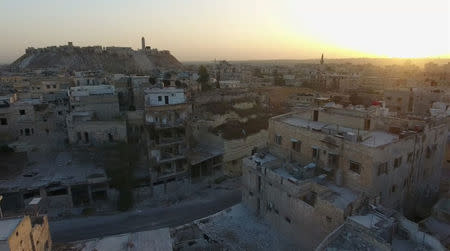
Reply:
x=406, y=29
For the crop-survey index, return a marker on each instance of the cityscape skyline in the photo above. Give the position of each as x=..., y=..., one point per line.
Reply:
x=194, y=31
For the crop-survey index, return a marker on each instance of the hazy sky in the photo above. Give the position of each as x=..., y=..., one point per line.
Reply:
x=232, y=29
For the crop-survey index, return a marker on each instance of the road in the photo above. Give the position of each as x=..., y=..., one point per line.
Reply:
x=74, y=229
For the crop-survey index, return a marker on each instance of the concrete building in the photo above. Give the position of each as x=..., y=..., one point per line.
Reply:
x=27, y=233
x=166, y=115
x=379, y=229
x=322, y=164
x=83, y=78
x=415, y=100
x=94, y=116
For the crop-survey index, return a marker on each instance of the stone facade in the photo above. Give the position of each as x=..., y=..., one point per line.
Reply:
x=28, y=233
x=322, y=165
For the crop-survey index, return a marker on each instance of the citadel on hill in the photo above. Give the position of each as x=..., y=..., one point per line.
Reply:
x=111, y=58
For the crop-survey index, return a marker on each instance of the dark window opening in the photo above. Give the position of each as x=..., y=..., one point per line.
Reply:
x=355, y=167
x=296, y=146
x=86, y=137
x=278, y=139
x=382, y=168
x=110, y=137
x=367, y=124
x=310, y=198
x=3, y=121
x=22, y=112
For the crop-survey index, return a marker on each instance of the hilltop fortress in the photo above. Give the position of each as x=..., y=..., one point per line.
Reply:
x=111, y=59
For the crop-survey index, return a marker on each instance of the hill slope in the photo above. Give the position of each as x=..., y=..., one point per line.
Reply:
x=127, y=61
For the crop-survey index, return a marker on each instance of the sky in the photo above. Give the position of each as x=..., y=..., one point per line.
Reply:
x=195, y=30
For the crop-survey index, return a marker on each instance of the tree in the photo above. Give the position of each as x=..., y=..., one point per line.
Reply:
x=203, y=77
x=121, y=160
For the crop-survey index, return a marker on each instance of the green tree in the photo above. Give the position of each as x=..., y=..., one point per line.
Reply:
x=203, y=77
x=121, y=161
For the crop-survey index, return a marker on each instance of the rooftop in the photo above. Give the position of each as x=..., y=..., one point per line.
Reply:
x=374, y=138
x=154, y=240
x=163, y=90
x=81, y=91
x=46, y=169
x=202, y=152
x=7, y=226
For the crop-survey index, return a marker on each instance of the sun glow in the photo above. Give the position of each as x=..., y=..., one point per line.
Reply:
x=406, y=29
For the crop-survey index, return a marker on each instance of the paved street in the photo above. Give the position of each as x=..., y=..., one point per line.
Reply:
x=96, y=226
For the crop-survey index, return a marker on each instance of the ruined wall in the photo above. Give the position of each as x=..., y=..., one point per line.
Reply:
x=98, y=132
x=279, y=202
x=20, y=239
x=40, y=234
x=105, y=107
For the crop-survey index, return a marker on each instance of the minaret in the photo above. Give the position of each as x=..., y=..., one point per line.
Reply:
x=143, y=43
x=321, y=59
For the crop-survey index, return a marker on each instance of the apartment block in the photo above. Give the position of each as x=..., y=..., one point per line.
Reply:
x=325, y=164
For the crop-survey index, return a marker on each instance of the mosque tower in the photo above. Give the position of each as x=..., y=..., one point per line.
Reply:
x=143, y=43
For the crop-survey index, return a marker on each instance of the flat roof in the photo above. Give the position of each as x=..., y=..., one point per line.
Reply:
x=66, y=168
x=7, y=227
x=202, y=153
x=158, y=239
x=370, y=138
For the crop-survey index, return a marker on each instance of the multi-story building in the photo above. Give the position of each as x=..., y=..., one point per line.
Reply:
x=166, y=115
x=94, y=116
x=323, y=164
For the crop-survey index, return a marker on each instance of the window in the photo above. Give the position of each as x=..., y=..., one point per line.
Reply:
x=399, y=99
x=27, y=132
x=315, y=153
x=54, y=86
x=328, y=219
x=388, y=98
x=48, y=86
x=159, y=98
x=367, y=124
x=22, y=112
x=382, y=168
x=3, y=121
x=278, y=139
x=397, y=162
x=355, y=167
x=394, y=188
x=296, y=145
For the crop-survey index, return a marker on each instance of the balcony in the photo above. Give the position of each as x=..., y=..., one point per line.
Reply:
x=168, y=141
x=169, y=157
x=168, y=124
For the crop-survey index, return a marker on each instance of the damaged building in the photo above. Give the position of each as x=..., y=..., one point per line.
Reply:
x=166, y=115
x=94, y=116
x=324, y=164
x=27, y=233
